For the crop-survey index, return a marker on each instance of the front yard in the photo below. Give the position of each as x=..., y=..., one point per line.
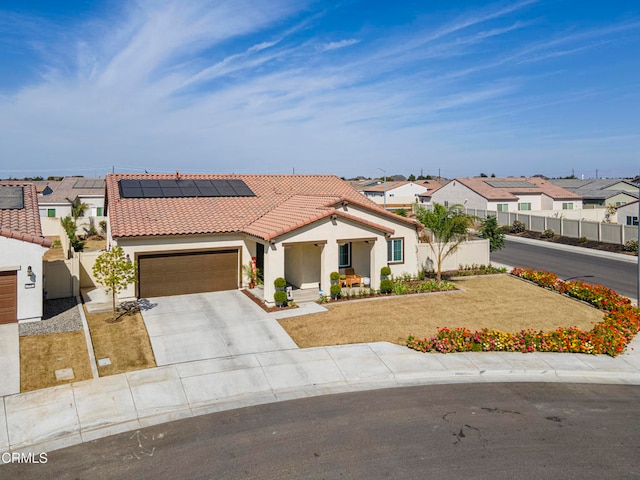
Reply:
x=497, y=302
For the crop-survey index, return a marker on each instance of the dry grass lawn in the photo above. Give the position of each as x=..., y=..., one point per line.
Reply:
x=42, y=355
x=497, y=302
x=93, y=244
x=125, y=342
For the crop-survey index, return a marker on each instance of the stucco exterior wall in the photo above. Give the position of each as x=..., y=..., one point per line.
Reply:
x=455, y=192
x=18, y=255
x=468, y=253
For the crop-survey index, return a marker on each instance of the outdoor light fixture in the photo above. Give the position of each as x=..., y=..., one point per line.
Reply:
x=29, y=271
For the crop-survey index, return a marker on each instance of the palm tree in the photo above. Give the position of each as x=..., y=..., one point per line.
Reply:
x=448, y=229
x=78, y=209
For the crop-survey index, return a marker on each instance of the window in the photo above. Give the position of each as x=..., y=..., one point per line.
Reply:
x=503, y=207
x=567, y=206
x=618, y=204
x=524, y=206
x=446, y=203
x=633, y=221
x=344, y=255
x=395, y=250
x=96, y=212
x=51, y=212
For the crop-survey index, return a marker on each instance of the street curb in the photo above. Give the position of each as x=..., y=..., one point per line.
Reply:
x=570, y=248
x=87, y=336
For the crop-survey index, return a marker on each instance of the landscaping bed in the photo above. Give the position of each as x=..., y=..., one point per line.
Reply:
x=124, y=342
x=609, y=336
x=576, y=242
x=496, y=301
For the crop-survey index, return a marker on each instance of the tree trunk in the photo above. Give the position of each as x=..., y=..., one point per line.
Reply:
x=113, y=304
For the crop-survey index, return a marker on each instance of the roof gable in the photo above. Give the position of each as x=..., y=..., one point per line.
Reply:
x=22, y=221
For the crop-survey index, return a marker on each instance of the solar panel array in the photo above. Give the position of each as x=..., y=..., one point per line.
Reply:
x=510, y=184
x=183, y=188
x=11, y=198
x=89, y=183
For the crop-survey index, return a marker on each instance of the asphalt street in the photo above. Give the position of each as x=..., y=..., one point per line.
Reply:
x=620, y=276
x=526, y=430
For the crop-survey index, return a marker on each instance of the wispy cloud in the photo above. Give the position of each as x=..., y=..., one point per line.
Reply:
x=340, y=44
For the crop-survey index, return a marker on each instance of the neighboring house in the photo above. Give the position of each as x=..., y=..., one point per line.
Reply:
x=193, y=233
x=55, y=197
x=507, y=194
x=600, y=193
x=628, y=214
x=21, y=249
x=402, y=194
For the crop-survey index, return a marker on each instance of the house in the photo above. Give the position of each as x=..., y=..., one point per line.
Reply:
x=628, y=214
x=600, y=193
x=55, y=198
x=399, y=194
x=22, y=246
x=193, y=233
x=510, y=194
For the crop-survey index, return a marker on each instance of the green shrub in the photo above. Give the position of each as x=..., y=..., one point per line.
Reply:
x=103, y=225
x=334, y=276
x=518, y=227
x=548, y=233
x=491, y=231
x=386, y=286
x=280, y=282
x=631, y=246
x=280, y=297
x=336, y=291
x=385, y=271
x=583, y=240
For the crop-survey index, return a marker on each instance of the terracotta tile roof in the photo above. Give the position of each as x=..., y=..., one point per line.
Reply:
x=540, y=185
x=24, y=223
x=282, y=204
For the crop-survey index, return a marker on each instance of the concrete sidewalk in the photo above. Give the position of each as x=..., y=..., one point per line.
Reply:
x=61, y=416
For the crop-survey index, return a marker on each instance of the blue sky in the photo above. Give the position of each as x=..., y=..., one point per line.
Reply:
x=346, y=87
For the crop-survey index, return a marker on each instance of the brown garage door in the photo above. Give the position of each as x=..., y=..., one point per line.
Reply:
x=187, y=272
x=8, y=297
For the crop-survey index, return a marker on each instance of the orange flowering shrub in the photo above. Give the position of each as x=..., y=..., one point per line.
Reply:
x=620, y=324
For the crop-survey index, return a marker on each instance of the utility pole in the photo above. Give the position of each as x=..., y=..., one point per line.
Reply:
x=384, y=188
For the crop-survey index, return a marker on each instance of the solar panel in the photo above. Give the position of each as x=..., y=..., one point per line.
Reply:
x=11, y=198
x=89, y=183
x=510, y=184
x=183, y=188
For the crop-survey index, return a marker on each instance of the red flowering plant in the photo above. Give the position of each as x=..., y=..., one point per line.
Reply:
x=619, y=326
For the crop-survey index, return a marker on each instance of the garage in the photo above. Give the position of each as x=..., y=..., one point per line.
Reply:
x=179, y=273
x=8, y=297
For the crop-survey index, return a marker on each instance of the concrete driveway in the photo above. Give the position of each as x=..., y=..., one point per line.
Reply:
x=9, y=359
x=186, y=328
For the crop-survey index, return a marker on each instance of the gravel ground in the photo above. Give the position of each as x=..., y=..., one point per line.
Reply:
x=60, y=315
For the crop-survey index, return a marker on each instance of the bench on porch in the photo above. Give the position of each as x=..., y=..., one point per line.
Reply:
x=351, y=278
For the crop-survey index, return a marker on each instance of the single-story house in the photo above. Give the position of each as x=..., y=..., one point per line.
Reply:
x=510, y=194
x=22, y=246
x=628, y=214
x=55, y=197
x=193, y=233
x=600, y=193
x=400, y=194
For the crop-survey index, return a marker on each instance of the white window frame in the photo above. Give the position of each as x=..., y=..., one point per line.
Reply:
x=524, y=206
x=632, y=221
x=391, y=250
x=502, y=207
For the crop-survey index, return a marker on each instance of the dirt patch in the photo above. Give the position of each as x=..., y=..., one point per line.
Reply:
x=498, y=302
x=607, y=247
x=42, y=355
x=125, y=342
x=92, y=244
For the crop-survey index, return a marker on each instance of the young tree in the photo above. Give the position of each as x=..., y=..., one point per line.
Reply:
x=78, y=209
x=115, y=271
x=448, y=227
x=412, y=178
x=493, y=232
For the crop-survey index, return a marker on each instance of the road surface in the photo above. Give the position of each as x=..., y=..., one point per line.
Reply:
x=619, y=275
x=483, y=431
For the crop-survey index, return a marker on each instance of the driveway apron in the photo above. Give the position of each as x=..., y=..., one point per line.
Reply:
x=187, y=328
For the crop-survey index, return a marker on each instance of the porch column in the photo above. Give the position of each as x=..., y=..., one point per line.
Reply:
x=273, y=268
x=328, y=263
x=378, y=259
